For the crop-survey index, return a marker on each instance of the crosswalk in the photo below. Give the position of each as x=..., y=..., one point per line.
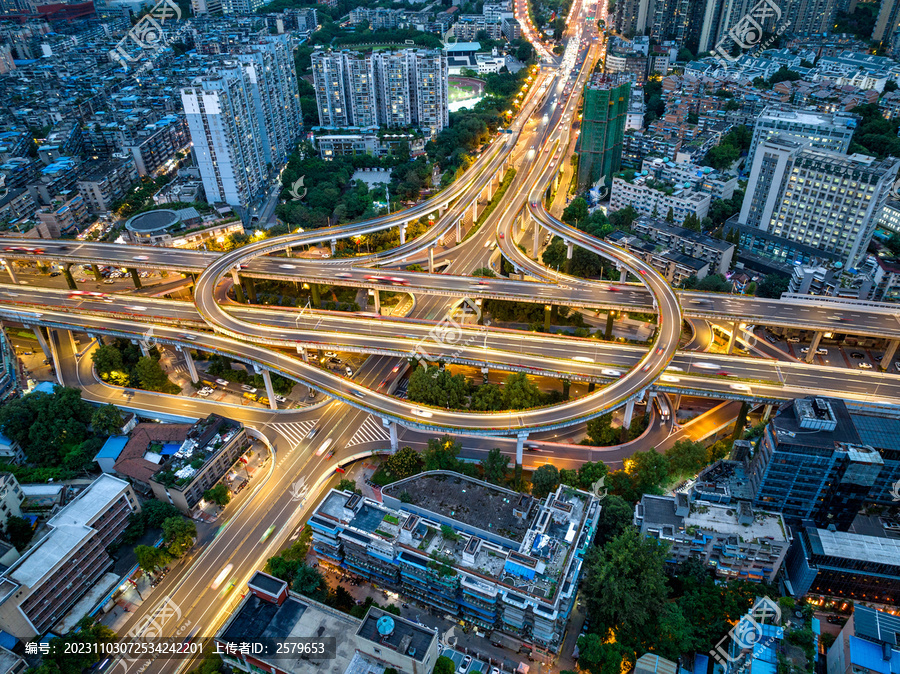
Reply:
x=295, y=431
x=371, y=430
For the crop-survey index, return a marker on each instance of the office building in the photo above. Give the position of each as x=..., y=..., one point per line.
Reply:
x=492, y=557
x=378, y=641
x=825, y=131
x=735, y=541
x=806, y=202
x=244, y=120
x=868, y=643
x=396, y=89
x=54, y=573
x=819, y=461
x=844, y=564
x=602, y=130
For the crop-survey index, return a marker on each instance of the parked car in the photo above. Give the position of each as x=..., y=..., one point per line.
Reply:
x=857, y=354
x=464, y=665
x=248, y=388
x=865, y=366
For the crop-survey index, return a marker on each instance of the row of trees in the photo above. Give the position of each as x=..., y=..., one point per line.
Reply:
x=437, y=386
x=122, y=364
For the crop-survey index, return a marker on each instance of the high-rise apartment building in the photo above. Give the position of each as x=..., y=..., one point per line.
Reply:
x=820, y=462
x=396, y=89
x=244, y=119
x=807, y=204
x=809, y=17
x=888, y=21
x=824, y=130
x=631, y=17
x=602, y=130
x=241, y=7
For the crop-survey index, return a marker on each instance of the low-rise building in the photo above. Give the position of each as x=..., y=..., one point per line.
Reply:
x=16, y=204
x=717, y=252
x=333, y=143
x=11, y=498
x=53, y=574
x=868, y=643
x=478, y=552
x=102, y=183
x=655, y=198
x=272, y=613
x=65, y=215
x=212, y=446
x=676, y=267
x=734, y=540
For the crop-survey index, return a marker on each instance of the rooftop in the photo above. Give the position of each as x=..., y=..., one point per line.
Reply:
x=68, y=528
x=153, y=221
x=845, y=545
x=390, y=631
x=470, y=502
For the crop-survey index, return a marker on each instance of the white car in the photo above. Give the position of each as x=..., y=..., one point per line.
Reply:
x=280, y=399
x=330, y=354
x=204, y=392
x=865, y=366
x=222, y=382
x=464, y=665
x=248, y=388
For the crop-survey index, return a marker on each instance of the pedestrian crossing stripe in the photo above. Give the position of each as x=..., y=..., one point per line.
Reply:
x=371, y=430
x=295, y=431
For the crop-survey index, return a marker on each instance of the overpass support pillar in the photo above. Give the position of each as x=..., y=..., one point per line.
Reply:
x=565, y=392
x=145, y=350
x=11, y=271
x=377, y=295
x=570, y=250
x=629, y=412
x=238, y=290
x=42, y=340
x=97, y=275
x=623, y=274
x=676, y=403
x=767, y=411
x=135, y=277
x=610, y=318
x=189, y=361
x=304, y=354
x=459, y=230
x=474, y=210
x=391, y=426
x=72, y=342
x=537, y=238
x=485, y=371
x=889, y=353
x=591, y=387
x=520, y=448
x=333, y=246
x=812, y=347
x=402, y=233
x=314, y=292
x=251, y=289
x=70, y=281
x=430, y=259
x=270, y=390
x=735, y=326
x=547, y=309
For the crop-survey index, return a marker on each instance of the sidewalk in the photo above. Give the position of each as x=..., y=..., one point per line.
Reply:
x=128, y=601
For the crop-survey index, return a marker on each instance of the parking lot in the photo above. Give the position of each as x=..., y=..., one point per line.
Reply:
x=852, y=357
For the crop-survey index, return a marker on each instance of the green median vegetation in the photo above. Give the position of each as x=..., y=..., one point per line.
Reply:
x=122, y=364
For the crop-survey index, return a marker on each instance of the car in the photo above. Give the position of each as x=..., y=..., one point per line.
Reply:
x=330, y=354
x=330, y=454
x=108, y=281
x=669, y=378
x=358, y=394
x=349, y=371
x=421, y=413
x=793, y=340
x=248, y=388
x=343, y=274
x=141, y=258
x=495, y=670
x=324, y=446
x=287, y=266
x=865, y=366
x=313, y=433
x=54, y=274
x=857, y=354
x=280, y=399
x=464, y=665
x=204, y=392
x=836, y=620
x=335, y=361
x=228, y=588
x=222, y=382
x=821, y=352
x=610, y=372
x=739, y=387
x=267, y=533
x=501, y=235
x=187, y=337
x=642, y=272
x=897, y=364
x=312, y=394
x=223, y=574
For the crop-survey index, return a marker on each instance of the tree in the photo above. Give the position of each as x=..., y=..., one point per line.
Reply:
x=404, y=463
x=348, y=485
x=310, y=583
x=616, y=515
x=599, y=657
x=772, y=286
x=625, y=583
x=107, y=359
x=179, y=534
x=544, y=480
x=623, y=218
x=686, y=457
x=437, y=386
x=519, y=392
x=77, y=651
x=692, y=222
x=150, y=558
x=107, y=419
x=444, y=665
x=218, y=495
x=496, y=466
x=649, y=470
x=46, y=424
x=154, y=513
x=590, y=472
x=670, y=216
x=487, y=398
x=485, y=272
x=19, y=531
x=441, y=454
x=576, y=211
x=150, y=375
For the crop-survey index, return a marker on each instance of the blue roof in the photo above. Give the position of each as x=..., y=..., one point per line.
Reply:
x=870, y=655
x=112, y=447
x=7, y=640
x=701, y=664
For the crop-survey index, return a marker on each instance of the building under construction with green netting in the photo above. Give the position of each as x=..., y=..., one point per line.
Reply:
x=602, y=129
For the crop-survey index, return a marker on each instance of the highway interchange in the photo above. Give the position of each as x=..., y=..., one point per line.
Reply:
x=541, y=132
